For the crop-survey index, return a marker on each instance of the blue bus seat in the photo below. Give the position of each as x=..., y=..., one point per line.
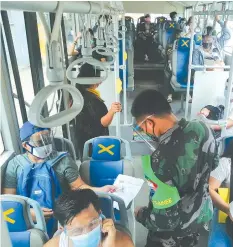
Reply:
x=197, y=40
x=160, y=20
x=106, y=163
x=218, y=236
x=106, y=160
x=22, y=231
x=169, y=31
x=224, y=144
x=180, y=62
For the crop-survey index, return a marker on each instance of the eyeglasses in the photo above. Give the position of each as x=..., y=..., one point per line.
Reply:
x=83, y=230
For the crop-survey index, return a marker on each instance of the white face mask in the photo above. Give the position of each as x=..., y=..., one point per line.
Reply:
x=41, y=152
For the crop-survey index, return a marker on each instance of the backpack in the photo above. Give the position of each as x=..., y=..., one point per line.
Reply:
x=40, y=183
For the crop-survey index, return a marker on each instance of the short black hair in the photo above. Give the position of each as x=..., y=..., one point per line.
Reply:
x=73, y=202
x=209, y=30
x=147, y=15
x=88, y=70
x=150, y=102
x=172, y=14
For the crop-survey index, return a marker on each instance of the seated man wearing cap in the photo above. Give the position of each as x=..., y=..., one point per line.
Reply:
x=22, y=171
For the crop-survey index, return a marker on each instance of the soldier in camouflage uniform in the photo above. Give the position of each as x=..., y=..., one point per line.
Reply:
x=183, y=160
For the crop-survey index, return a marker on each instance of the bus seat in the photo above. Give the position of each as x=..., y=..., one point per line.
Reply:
x=197, y=39
x=180, y=61
x=218, y=236
x=209, y=88
x=169, y=31
x=106, y=204
x=224, y=144
x=22, y=231
x=106, y=161
x=63, y=144
x=160, y=20
x=105, y=164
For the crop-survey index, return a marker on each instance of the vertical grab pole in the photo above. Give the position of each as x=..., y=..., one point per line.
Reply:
x=190, y=65
x=229, y=92
x=116, y=76
x=124, y=70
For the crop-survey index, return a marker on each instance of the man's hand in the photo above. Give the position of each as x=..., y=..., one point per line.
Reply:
x=108, y=188
x=137, y=209
x=116, y=107
x=79, y=35
x=109, y=229
x=48, y=213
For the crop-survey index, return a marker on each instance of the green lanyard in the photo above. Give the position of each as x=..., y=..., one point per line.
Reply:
x=165, y=195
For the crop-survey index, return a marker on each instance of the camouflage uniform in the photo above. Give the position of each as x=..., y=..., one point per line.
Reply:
x=184, y=158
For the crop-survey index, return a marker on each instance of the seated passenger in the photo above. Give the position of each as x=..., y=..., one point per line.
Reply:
x=77, y=51
x=26, y=173
x=174, y=17
x=146, y=37
x=83, y=224
x=206, y=111
x=210, y=53
x=94, y=119
x=221, y=175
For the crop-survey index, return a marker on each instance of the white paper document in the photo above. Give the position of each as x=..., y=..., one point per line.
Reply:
x=127, y=188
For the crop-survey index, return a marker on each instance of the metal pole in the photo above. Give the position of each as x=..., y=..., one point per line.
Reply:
x=189, y=67
x=229, y=92
x=227, y=12
x=15, y=69
x=124, y=71
x=116, y=74
x=50, y=6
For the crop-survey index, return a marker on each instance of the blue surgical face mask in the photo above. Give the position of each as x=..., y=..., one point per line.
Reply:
x=90, y=239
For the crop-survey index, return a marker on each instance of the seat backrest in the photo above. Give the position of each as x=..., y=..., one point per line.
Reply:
x=197, y=39
x=169, y=31
x=65, y=145
x=106, y=162
x=23, y=232
x=224, y=144
x=106, y=148
x=180, y=60
x=106, y=201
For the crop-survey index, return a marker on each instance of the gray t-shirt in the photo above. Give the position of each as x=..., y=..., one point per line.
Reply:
x=223, y=172
x=65, y=169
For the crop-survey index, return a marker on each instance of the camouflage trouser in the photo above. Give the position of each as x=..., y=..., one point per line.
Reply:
x=187, y=241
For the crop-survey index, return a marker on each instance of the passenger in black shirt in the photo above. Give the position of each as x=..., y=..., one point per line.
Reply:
x=76, y=52
x=94, y=118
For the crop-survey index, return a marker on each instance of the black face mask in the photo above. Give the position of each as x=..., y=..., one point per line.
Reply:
x=207, y=45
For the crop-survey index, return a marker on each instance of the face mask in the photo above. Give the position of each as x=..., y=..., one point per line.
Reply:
x=207, y=45
x=41, y=152
x=90, y=239
x=176, y=19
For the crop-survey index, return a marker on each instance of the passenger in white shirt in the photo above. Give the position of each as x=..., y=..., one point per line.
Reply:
x=221, y=175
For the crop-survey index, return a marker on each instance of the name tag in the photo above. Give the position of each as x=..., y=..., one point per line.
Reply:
x=37, y=192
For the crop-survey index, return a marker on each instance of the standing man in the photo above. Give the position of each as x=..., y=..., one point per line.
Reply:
x=182, y=162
